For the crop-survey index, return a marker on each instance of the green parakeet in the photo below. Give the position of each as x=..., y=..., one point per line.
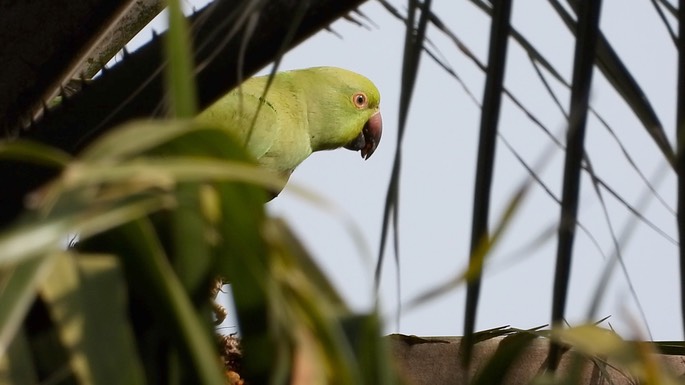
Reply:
x=303, y=111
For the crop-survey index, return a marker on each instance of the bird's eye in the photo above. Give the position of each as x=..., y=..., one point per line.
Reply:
x=359, y=99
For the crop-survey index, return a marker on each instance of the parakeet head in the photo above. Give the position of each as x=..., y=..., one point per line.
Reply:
x=370, y=135
x=343, y=110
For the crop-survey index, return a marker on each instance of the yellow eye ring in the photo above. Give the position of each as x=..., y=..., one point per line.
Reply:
x=360, y=100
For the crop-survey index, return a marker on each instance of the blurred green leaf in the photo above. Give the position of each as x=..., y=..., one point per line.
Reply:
x=328, y=340
x=639, y=359
x=18, y=286
x=16, y=366
x=179, y=70
x=34, y=152
x=86, y=299
x=134, y=138
x=153, y=280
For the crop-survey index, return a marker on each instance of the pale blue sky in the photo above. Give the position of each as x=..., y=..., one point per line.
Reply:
x=439, y=165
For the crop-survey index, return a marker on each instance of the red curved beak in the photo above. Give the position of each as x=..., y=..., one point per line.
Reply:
x=372, y=131
x=368, y=139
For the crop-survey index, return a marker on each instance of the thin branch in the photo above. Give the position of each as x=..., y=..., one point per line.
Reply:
x=662, y=16
x=630, y=160
x=413, y=45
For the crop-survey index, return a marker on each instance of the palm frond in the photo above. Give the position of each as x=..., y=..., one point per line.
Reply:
x=494, y=85
x=586, y=43
x=680, y=148
x=413, y=47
